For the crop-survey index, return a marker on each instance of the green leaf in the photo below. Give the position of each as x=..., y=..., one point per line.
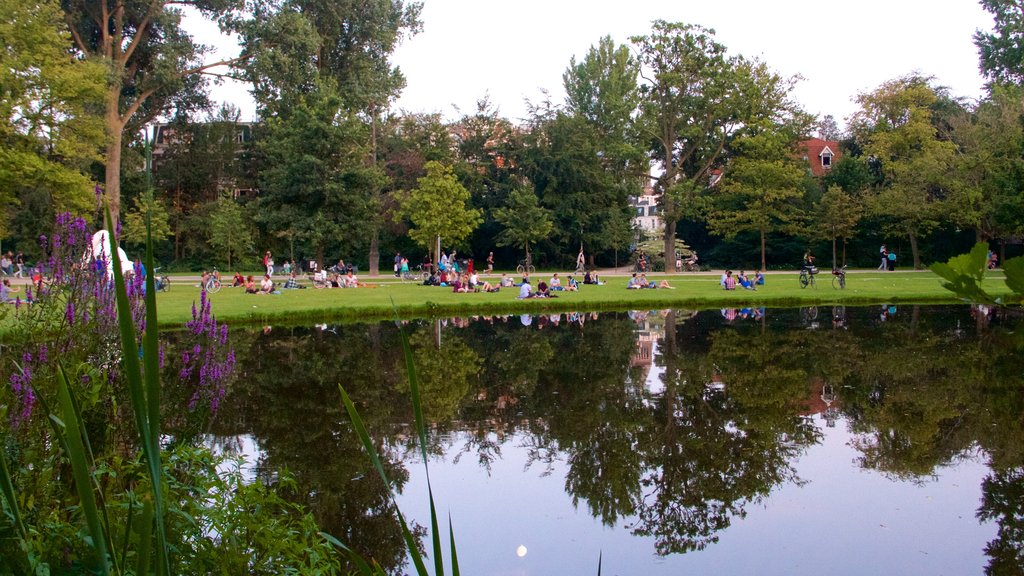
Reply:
x=1014, y=270
x=71, y=438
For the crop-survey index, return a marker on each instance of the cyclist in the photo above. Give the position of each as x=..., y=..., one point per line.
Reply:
x=809, y=262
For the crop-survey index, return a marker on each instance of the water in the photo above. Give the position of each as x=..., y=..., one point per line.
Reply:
x=837, y=441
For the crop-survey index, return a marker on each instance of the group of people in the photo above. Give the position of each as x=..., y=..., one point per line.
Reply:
x=266, y=286
x=641, y=281
x=888, y=259
x=546, y=289
x=8, y=261
x=730, y=282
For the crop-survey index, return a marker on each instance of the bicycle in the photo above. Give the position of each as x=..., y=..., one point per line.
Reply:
x=319, y=280
x=839, y=278
x=213, y=284
x=526, y=266
x=807, y=276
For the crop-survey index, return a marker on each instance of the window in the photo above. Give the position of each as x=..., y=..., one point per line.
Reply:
x=826, y=159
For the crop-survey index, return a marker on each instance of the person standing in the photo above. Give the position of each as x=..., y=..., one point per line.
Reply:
x=19, y=261
x=490, y=262
x=892, y=261
x=884, y=254
x=398, y=264
x=268, y=263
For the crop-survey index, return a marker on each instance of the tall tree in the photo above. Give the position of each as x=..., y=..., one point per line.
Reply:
x=895, y=124
x=152, y=64
x=989, y=192
x=598, y=141
x=691, y=103
x=439, y=208
x=761, y=185
x=524, y=219
x=49, y=134
x=350, y=45
x=1002, y=50
x=230, y=234
x=315, y=185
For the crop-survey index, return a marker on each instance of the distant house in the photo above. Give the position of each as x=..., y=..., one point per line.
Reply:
x=820, y=155
x=646, y=218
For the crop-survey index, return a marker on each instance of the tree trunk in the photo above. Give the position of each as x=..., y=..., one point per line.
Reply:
x=913, y=251
x=834, y=263
x=670, y=238
x=115, y=135
x=375, y=253
x=764, y=259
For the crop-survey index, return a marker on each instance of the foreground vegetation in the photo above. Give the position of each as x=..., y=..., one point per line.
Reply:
x=381, y=299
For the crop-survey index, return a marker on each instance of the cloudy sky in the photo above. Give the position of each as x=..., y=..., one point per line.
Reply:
x=512, y=51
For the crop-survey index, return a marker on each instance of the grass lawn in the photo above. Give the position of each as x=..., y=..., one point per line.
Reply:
x=694, y=291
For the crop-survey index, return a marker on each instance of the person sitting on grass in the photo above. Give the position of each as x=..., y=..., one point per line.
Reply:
x=6, y=290
x=543, y=291
x=728, y=282
x=460, y=284
x=474, y=281
x=525, y=290
x=488, y=287
x=506, y=282
x=266, y=285
x=350, y=280
x=634, y=283
x=573, y=285
x=292, y=283
x=555, y=284
x=250, y=285
x=744, y=281
x=759, y=278
x=238, y=280
x=645, y=283
x=664, y=284
x=591, y=278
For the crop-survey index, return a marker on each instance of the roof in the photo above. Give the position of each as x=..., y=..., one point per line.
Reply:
x=815, y=148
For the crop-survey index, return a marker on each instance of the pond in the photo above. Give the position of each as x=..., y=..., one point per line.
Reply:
x=782, y=441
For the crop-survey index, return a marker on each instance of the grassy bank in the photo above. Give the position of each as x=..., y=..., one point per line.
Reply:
x=690, y=291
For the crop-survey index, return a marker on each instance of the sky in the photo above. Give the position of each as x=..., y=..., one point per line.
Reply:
x=513, y=51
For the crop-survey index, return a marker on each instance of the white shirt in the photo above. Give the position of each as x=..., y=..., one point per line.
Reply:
x=525, y=290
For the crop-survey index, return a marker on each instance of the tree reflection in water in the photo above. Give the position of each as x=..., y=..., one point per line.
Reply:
x=669, y=423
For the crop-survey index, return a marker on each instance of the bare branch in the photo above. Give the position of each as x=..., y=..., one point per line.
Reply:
x=202, y=69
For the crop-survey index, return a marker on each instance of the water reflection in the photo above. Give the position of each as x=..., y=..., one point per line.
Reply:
x=667, y=425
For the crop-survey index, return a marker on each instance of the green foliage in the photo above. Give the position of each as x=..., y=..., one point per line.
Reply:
x=439, y=207
x=761, y=187
x=49, y=134
x=1001, y=51
x=964, y=275
x=895, y=124
x=316, y=186
x=230, y=234
x=524, y=219
x=146, y=208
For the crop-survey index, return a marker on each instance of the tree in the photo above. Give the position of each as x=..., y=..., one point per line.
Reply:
x=828, y=129
x=1002, y=51
x=988, y=197
x=229, y=233
x=146, y=212
x=760, y=189
x=895, y=124
x=315, y=185
x=49, y=135
x=438, y=207
x=152, y=65
x=349, y=44
x=524, y=219
x=692, y=101
x=836, y=215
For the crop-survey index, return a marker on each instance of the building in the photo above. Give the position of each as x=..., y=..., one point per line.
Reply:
x=820, y=154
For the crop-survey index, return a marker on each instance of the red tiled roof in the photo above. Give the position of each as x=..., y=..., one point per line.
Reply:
x=813, y=150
